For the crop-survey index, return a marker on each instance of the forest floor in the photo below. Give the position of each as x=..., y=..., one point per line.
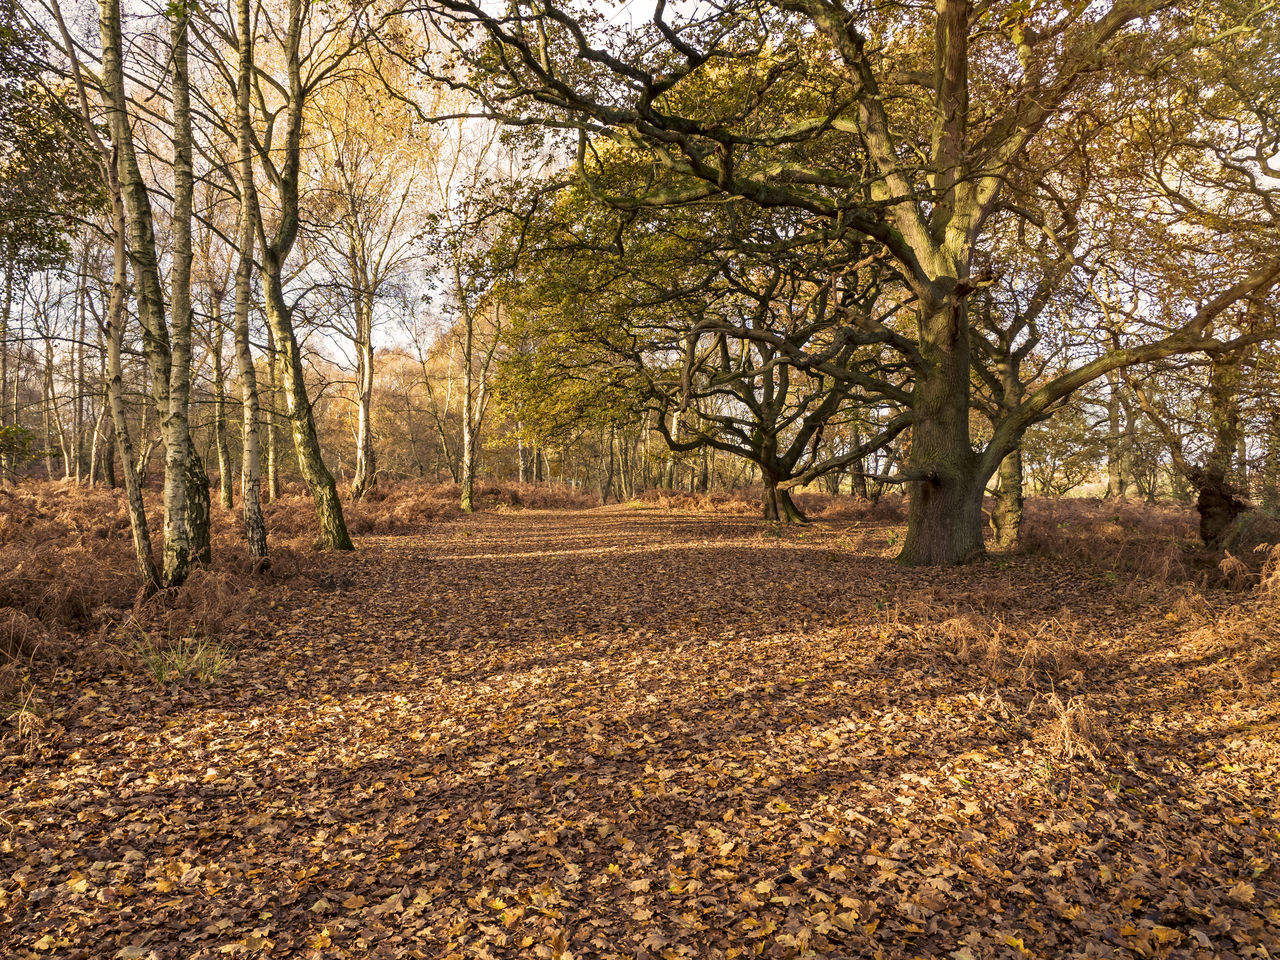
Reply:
x=637, y=733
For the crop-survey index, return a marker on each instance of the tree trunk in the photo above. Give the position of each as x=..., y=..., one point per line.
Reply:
x=108, y=452
x=114, y=335
x=1115, y=462
x=221, y=444
x=306, y=442
x=251, y=458
x=777, y=503
x=187, y=467
x=273, y=394
x=468, y=428
x=468, y=468
x=170, y=364
x=607, y=487
x=944, y=518
x=197, y=484
x=1006, y=517
x=1218, y=507
x=77, y=358
x=1271, y=463
x=6, y=309
x=366, y=466
x=93, y=445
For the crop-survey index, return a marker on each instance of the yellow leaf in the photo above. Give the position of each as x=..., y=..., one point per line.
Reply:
x=1242, y=892
x=1016, y=943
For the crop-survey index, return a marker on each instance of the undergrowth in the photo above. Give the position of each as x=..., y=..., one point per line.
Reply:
x=186, y=658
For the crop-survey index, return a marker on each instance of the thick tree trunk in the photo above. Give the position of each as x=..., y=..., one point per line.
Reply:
x=1218, y=507
x=944, y=518
x=777, y=503
x=184, y=468
x=108, y=452
x=169, y=364
x=1006, y=516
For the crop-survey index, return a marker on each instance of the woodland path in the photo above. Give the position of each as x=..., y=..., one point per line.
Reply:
x=622, y=733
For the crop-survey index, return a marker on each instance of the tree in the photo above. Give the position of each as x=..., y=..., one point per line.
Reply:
x=278, y=150
x=730, y=343
x=1217, y=408
x=47, y=177
x=364, y=205
x=932, y=153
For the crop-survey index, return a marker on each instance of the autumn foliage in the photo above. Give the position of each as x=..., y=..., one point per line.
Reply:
x=656, y=729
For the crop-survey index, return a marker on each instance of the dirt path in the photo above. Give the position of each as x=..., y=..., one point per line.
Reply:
x=630, y=734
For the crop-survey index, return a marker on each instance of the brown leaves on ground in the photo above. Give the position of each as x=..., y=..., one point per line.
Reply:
x=626, y=733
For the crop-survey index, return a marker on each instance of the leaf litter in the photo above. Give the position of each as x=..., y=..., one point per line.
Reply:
x=629, y=733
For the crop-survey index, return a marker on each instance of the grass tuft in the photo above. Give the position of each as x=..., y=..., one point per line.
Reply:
x=197, y=659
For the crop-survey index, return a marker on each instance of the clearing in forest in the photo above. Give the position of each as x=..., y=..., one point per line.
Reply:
x=626, y=733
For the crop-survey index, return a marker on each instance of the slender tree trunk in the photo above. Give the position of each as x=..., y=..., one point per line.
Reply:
x=6, y=310
x=1271, y=463
x=93, y=446
x=114, y=335
x=221, y=444
x=1115, y=463
x=77, y=366
x=150, y=298
x=366, y=465
x=273, y=392
x=288, y=159
x=306, y=442
x=251, y=459
x=194, y=477
x=468, y=412
x=606, y=488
